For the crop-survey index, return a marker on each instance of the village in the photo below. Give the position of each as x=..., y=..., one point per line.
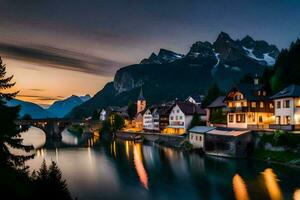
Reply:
x=224, y=128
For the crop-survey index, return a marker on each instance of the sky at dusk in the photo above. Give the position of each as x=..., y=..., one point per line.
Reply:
x=56, y=48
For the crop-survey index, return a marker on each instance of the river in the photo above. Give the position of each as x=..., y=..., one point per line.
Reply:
x=95, y=169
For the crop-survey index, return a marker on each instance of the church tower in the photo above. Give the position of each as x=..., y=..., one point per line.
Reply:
x=141, y=102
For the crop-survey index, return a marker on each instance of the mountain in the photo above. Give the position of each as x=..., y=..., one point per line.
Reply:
x=35, y=111
x=170, y=75
x=62, y=107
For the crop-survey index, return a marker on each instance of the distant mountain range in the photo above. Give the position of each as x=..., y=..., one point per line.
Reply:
x=57, y=110
x=168, y=75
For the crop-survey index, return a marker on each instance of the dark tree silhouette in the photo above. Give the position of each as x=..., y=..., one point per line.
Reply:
x=49, y=183
x=9, y=131
x=212, y=93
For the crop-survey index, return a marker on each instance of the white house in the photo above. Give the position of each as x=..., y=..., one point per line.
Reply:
x=197, y=136
x=151, y=119
x=102, y=115
x=287, y=108
x=181, y=117
x=148, y=120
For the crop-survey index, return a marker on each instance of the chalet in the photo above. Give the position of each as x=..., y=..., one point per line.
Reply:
x=181, y=117
x=220, y=141
x=216, y=112
x=249, y=106
x=151, y=119
x=287, y=108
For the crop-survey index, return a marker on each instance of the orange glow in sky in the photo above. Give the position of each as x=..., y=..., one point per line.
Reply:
x=44, y=85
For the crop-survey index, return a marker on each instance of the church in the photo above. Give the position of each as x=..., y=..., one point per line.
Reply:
x=140, y=108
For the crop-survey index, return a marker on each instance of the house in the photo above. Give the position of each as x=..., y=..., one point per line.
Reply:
x=220, y=141
x=121, y=111
x=196, y=136
x=181, y=117
x=216, y=112
x=249, y=106
x=195, y=99
x=156, y=118
x=103, y=115
x=287, y=108
x=164, y=112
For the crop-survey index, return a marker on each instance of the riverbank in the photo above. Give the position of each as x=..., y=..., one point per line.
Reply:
x=174, y=141
x=287, y=158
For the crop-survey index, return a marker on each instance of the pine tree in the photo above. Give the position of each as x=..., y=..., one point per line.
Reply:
x=212, y=93
x=57, y=183
x=9, y=131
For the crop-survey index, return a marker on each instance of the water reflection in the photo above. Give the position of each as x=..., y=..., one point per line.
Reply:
x=271, y=183
x=139, y=166
x=128, y=170
x=240, y=188
x=297, y=194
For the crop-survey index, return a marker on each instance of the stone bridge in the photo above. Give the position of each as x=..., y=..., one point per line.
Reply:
x=53, y=127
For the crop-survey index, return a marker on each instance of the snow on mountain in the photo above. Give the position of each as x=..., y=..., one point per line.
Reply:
x=267, y=58
x=62, y=107
x=35, y=111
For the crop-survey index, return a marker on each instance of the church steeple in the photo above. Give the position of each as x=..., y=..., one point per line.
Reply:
x=141, y=102
x=141, y=96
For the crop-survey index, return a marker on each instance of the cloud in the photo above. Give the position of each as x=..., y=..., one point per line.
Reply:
x=60, y=58
x=39, y=97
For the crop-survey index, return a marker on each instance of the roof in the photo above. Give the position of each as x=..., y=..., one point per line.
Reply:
x=234, y=133
x=218, y=102
x=290, y=91
x=201, y=129
x=189, y=108
x=223, y=131
x=249, y=91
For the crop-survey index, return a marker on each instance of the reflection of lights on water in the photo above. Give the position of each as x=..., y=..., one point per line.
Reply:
x=127, y=149
x=240, y=188
x=56, y=155
x=297, y=194
x=41, y=153
x=114, y=149
x=89, y=154
x=272, y=185
x=139, y=166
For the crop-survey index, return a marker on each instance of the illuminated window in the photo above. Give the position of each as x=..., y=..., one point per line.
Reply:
x=287, y=119
x=245, y=104
x=261, y=104
x=240, y=118
x=271, y=105
x=264, y=93
x=258, y=93
x=253, y=104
